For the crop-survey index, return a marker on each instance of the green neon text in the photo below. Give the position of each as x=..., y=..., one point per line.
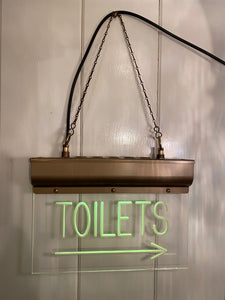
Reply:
x=160, y=218
x=97, y=218
x=119, y=218
x=64, y=216
x=142, y=203
x=102, y=234
x=88, y=219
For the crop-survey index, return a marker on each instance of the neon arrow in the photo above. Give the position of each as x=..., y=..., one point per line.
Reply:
x=159, y=251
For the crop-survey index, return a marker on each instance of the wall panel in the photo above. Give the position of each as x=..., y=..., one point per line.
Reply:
x=116, y=123
x=192, y=115
x=40, y=47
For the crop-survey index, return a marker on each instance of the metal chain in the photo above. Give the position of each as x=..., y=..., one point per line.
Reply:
x=74, y=123
x=156, y=128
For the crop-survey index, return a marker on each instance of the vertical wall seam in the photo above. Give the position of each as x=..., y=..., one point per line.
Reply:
x=82, y=21
x=32, y=236
x=0, y=71
x=159, y=61
x=158, y=100
x=82, y=73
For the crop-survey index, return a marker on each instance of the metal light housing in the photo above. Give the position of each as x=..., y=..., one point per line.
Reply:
x=110, y=175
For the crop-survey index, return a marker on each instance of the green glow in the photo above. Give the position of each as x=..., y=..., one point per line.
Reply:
x=160, y=218
x=119, y=218
x=88, y=219
x=64, y=216
x=159, y=251
x=95, y=219
x=102, y=222
x=142, y=214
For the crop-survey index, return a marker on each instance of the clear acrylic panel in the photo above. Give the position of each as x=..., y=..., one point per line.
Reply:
x=109, y=232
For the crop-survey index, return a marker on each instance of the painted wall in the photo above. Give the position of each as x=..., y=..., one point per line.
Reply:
x=41, y=45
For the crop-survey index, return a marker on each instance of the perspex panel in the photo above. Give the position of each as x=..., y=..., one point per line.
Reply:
x=109, y=232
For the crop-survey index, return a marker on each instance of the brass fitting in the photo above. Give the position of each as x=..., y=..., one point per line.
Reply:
x=160, y=154
x=68, y=138
x=65, y=152
x=115, y=14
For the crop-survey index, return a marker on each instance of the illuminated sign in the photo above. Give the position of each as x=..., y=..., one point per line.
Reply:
x=101, y=217
x=107, y=233
x=120, y=218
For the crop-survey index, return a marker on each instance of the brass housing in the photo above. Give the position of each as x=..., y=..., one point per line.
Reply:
x=110, y=175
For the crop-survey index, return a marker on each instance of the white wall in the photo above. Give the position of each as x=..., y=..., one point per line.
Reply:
x=41, y=45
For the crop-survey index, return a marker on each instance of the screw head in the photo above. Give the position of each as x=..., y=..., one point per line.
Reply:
x=168, y=190
x=56, y=191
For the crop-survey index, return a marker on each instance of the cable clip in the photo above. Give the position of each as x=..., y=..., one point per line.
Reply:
x=115, y=14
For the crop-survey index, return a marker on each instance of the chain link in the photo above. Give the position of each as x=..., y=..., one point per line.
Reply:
x=156, y=127
x=74, y=123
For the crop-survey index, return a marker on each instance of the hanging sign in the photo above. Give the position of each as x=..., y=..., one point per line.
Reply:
x=98, y=218
x=107, y=233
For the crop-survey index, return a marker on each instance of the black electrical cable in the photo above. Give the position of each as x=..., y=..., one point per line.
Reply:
x=124, y=12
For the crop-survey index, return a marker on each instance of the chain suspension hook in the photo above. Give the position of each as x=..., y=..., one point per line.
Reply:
x=115, y=14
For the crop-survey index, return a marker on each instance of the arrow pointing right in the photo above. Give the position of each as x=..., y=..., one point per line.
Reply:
x=159, y=251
